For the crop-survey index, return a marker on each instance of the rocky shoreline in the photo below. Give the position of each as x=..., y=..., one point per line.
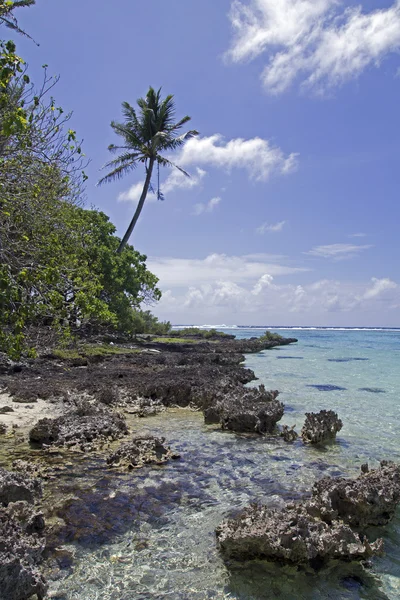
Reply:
x=80, y=402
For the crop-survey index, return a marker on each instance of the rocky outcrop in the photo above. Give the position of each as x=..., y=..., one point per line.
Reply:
x=246, y=410
x=85, y=424
x=15, y=487
x=290, y=535
x=288, y=433
x=371, y=499
x=141, y=450
x=319, y=528
x=20, y=557
x=320, y=427
x=21, y=546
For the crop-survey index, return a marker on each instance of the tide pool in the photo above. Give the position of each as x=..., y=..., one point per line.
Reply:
x=157, y=524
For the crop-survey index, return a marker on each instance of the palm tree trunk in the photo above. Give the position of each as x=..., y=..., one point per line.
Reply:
x=138, y=210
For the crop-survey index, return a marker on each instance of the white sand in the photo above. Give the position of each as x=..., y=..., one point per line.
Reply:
x=26, y=415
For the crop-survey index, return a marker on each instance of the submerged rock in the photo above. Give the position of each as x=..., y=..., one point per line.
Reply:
x=141, y=450
x=289, y=434
x=320, y=427
x=246, y=410
x=86, y=423
x=290, y=535
x=371, y=499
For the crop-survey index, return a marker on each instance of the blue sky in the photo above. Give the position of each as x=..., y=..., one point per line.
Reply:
x=292, y=212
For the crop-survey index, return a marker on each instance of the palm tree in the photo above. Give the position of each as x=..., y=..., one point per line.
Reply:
x=7, y=17
x=147, y=135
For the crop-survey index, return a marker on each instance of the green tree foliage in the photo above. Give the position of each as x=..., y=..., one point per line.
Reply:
x=147, y=135
x=59, y=269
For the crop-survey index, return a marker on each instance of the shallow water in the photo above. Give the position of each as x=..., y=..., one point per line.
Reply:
x=150, y=534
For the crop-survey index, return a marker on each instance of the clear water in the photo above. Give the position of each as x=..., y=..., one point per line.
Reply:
x=150, y=534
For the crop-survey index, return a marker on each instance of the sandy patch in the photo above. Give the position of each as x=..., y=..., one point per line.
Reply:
x=24, y=416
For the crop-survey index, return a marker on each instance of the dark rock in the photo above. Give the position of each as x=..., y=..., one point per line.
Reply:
x=288, y=433
x=290, y=535
x=3, y=428
x=251, y=410
x=320, y=427
x=6, y=409
x=371, y=499
x=86, y=423
x=20, y=557
x=17, y=486
x=109, y=395
x=141, y=450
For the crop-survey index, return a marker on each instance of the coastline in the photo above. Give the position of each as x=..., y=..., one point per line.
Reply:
x=181, y=375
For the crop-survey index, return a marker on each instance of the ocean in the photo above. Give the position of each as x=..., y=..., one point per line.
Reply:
x=164, y=545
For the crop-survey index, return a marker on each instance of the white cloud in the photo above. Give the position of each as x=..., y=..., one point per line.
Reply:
x=257, y=156
x=316, y=41
x=201, y=208
x=357, y=235
x=184, y=272
x=176, y=180
x=266, y=300
x=337, y=251
x=378, y=287
x=266, y=228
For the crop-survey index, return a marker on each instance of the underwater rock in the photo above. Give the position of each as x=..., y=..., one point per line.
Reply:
x=290, y=535
x=371, y=499
x=320, y=427
x=289, y=434
x=141, y=450
x=251, y=410
x=86, y=423
x=18, y=486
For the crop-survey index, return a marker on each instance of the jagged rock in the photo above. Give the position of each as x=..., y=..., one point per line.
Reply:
x=109, y=395
x=320, y=427
x=141, y=450
x=3, y=428
x=290, y=535
x=289, y=434
x=371, y=499
x=20, y=556
x=30, y=519
x=246, y=410
x=85, y=424
x=17, y=486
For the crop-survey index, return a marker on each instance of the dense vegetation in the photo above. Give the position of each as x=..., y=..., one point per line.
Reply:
x=60, y=272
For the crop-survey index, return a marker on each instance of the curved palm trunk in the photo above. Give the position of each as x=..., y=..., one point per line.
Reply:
x=138, y=210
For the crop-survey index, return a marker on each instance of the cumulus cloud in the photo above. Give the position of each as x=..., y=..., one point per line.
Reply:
x=379, y=287
x=268, y=300
x=337, y=251
x=207, y=207
x=319, y=42
x=184, y=272
x=266, y=228
x=176, y=180
x=257, y=156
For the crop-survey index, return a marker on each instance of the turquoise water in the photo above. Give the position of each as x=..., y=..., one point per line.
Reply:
x=150, y=534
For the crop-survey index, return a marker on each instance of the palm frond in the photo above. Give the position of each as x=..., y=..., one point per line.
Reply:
x=165, y=162
x=117, y=173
